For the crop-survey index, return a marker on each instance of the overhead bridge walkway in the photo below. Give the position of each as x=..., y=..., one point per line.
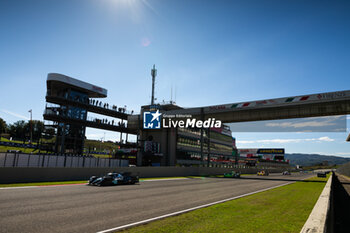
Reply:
x=98, y=124
x=89, y=107
x=323, y=104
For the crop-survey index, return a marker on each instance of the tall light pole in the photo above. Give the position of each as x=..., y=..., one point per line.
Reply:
x=31, y=127
x=154, y=74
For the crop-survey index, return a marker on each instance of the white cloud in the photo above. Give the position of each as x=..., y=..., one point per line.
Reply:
x=326, y=139
x=15, y=114
x=246, y=142
x=345, y=154
x=283, y=141
x=279, y=141
x=301, y=124
x=341, y=154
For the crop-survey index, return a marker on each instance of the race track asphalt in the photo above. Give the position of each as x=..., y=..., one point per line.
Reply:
x=82, y=208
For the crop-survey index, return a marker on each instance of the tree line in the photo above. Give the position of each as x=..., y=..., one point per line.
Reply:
x=20, y=130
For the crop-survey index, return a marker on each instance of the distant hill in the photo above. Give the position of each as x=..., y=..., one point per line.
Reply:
x=313, y=159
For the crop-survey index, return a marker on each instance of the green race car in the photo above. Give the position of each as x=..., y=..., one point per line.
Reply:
x=232, y=174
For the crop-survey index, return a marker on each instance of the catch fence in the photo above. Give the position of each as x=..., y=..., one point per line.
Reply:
x=49, y=160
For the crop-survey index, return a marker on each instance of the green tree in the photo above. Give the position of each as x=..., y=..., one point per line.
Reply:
x=49, y=132
x=18, y=130
x=3, y=127
x=38, y=129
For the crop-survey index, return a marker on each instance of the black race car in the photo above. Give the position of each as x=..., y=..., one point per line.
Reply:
x=114, y=178
x=321, y=174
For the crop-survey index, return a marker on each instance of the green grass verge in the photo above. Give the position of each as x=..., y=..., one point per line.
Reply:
x=4, y=149
x=42, y=183
x=15, y=141
x=284, y=209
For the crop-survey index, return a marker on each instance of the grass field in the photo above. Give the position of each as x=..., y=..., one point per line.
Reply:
x=284, y=209
x=6, y=148
x=15, y=141
x=24, y=150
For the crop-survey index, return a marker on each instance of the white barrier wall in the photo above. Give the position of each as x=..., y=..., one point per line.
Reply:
x=28, y=160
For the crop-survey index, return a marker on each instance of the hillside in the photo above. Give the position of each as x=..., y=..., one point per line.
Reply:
x=313, y=159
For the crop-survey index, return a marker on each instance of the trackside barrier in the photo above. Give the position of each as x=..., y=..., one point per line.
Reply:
x=35, y=174
x=33, y=160
x=317, y=221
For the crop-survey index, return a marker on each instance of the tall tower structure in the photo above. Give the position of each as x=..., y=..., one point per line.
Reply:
x=154, y=74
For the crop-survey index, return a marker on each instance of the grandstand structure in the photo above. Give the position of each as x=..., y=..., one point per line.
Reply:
x=68, y=102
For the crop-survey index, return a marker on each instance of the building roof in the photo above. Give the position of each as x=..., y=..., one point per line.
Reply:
x=55, y=80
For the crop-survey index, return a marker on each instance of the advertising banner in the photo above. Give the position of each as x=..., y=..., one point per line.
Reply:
x=271, y=151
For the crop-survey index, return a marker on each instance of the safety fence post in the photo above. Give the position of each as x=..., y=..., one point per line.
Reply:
x=5, y=159
x=28, y=160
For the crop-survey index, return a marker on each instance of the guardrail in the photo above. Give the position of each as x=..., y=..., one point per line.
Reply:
x=318, y=219
x=33, y=160
x=44, y=174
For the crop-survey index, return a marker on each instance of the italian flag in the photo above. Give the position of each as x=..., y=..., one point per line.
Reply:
x=296, y=99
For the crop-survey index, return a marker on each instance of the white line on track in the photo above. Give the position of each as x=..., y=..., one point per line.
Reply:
x=188, y=210
x=21, y=187
x=42, y=186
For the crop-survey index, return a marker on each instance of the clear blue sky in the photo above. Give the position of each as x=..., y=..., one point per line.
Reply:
x=212, y=52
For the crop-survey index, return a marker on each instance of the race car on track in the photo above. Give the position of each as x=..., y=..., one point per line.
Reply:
x=321, y=174
x=286, y=173
x=263, y=173
x=114, y=178
x=232, y=174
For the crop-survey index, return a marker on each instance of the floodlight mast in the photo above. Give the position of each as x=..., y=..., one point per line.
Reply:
x=154, y=74
x=31, y=126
